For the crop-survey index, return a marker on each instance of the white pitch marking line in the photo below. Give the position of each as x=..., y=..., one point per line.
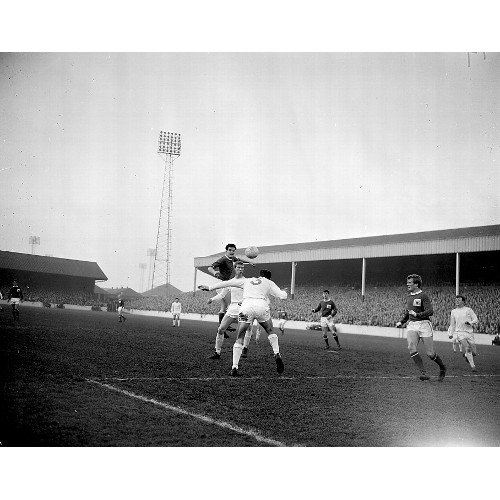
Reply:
x=225, y=425
x=330, y=377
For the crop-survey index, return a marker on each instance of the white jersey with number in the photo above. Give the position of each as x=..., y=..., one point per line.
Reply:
x=254, y=288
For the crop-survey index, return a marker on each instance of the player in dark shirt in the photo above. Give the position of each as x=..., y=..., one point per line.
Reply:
x=417, y=313
x=283, y=318
x=15, y=296
x=223, y=269
x=328, y=311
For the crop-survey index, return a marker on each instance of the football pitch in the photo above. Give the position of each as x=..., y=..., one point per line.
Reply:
x=73, y=378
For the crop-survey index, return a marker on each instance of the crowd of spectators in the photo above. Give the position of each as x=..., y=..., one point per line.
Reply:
x=381, y=306
x=51, y=296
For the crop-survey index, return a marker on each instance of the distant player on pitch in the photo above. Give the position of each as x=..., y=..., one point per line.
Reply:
x=461, y=322
x=15, y=297
x=176, y=309
x=328, y=312
x=121, y=309
x=282, y=319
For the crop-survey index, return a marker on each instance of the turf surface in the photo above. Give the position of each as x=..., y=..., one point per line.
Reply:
x=72, y=378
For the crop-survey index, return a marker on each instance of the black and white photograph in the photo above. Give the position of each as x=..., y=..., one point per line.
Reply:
x=246, y=246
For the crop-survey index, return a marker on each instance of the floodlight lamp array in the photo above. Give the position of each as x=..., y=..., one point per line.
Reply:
x=169, y=143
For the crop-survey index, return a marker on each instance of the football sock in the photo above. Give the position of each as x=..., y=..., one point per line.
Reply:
x=219, y=340
x=470, y=358
x=248, y=336
x=237, y=348
x=273, y=340
x=336, y=339
x=418, y=361
x=438, y=360
x=326, y=341
x=221, y=315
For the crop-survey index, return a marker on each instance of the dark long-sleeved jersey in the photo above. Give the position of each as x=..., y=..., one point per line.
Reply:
x=327, y=308
x=15, y=293
x=421, y=304
x=225, y=266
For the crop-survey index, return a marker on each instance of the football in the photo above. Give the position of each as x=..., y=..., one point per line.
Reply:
x=251, y=252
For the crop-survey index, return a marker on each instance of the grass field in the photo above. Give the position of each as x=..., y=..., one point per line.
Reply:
x=74, y=379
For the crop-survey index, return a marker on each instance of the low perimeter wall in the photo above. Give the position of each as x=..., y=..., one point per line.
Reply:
x=378, y=331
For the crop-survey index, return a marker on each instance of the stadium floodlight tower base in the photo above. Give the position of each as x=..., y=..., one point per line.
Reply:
x=169, y=148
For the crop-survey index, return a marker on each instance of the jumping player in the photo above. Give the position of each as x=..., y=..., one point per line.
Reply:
x=254, y=306
x=461, y=322
x=231, y=315
x=328, y=311
x=418, y=311
x=16, y=297
x=223, y=269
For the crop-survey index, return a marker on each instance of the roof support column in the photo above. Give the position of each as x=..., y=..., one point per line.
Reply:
x=457, y=274
x=363, y=279
x=194, y=284
x=292, y=283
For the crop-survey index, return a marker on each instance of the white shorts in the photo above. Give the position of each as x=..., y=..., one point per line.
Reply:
x=233, y=310
x=422, y=328
x=15, y=300
x=120, y=309
x=326, y=322
x=466, y=337
x=282, y=323
x=254, y=309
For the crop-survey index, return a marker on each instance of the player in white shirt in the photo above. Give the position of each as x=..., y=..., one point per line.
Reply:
x=235, y=295
x=176, y=310
x=254, y=306
x=461, y=322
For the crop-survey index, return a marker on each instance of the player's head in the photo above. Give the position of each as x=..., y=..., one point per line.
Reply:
x=460, y=300
x=239, y=267
x=326, y=294
x=265, y=273
x=177, y=299
x=413, y=279
x=231, y=247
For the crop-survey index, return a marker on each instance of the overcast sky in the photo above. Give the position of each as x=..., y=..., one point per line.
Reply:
x=276, y=148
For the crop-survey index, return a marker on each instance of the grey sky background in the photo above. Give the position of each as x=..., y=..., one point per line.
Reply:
x=276, y=148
